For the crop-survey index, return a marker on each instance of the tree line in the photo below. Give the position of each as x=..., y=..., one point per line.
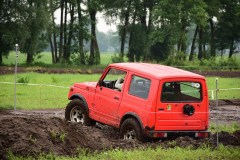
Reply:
x=148, y=29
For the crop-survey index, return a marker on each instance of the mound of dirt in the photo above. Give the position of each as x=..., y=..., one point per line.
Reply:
x=227, y=139
x=32, y=134
x=225, y=102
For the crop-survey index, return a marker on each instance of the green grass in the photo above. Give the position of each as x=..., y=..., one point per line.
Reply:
x=37, y=97
x=222, y=152
x=45, y=59
x=224, y=83
x=230, y=127
x=10, y=59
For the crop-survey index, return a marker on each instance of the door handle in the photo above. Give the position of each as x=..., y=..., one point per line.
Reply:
x=117, y=98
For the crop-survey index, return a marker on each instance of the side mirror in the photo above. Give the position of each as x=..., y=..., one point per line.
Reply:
x=100, y=83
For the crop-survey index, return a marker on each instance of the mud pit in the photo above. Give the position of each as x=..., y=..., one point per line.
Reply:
x=44, y=131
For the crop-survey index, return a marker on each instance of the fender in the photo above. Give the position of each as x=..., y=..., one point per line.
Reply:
x=134, y=115
x=79, y=96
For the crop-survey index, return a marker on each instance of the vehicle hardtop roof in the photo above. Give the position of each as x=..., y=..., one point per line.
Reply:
x=157, y=71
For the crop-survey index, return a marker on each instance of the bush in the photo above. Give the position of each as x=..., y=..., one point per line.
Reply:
x=116, y=58
x=230, y=63
x=24, y=80
x=75, y=58
x=174, y=61
x=210, y=62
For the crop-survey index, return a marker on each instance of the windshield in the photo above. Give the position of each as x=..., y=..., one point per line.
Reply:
x=181, y=92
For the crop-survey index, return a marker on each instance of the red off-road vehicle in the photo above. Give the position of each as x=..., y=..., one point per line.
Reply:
x=143, y=100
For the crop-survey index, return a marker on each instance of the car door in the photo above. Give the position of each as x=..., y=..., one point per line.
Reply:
x=108, y=97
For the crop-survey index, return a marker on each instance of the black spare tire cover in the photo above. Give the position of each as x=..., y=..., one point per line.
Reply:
x=188, y=109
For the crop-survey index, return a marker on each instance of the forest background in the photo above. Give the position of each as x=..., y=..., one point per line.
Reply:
x=175, y=32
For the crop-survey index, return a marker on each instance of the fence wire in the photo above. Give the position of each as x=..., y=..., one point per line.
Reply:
x=33, y=96
x=53, y=96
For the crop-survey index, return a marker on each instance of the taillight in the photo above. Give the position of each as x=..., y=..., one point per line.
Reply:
x=202, y=134
x=71, y=89
x=160, y=135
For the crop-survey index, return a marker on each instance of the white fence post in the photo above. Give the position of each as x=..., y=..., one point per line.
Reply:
x=15, y=81
x=40, y=95
x=212, y=94
x=217, y=108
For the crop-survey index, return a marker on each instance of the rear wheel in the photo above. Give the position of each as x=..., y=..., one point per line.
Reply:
x=130, y=129
x=76, y=112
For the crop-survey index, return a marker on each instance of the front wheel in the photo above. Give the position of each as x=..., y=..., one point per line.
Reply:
x=130, y=129
x=76, y=112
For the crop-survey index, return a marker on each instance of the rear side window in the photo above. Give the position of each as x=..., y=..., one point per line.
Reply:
x=181, y=92
x=139, y=87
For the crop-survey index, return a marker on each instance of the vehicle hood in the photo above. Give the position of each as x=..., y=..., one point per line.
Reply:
x=85, y=85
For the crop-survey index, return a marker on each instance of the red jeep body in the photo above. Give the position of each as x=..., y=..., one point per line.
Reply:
x=162, y=100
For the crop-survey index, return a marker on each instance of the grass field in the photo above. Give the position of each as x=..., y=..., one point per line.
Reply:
x=222, y=152
x=224, y=83
x=44, y=59
x=41, y=96
x=35, y=97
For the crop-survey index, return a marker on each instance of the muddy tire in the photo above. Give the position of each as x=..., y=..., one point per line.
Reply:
x=130, y=129
x=76, y=112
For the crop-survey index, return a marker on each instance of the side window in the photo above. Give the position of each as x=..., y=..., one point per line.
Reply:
x=114, y=79
x=139, y=87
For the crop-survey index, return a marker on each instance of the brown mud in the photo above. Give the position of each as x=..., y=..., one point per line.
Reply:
x=46, y=131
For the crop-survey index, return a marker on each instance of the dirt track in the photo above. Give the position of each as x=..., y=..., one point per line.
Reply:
x=44, y=131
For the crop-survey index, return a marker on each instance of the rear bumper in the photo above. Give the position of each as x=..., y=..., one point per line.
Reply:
x=166, y=134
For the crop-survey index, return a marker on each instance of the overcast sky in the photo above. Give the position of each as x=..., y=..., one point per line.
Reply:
x=103, y=26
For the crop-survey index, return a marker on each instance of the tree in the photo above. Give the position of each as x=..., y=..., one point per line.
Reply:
x=93, y=7
x=119, y=9
x=229, y=23
x=213, y=7
x=61, y=30
x=52, y=31
x=133, y=14
x=193, y=44
x=166, y=22
x=5, y=17
x=65, y=34
x=36, y=21
x=68, y=38
x=200, y=43
x=80, y=32
x=139, y=30
x=173, y=21
x=12, y=27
